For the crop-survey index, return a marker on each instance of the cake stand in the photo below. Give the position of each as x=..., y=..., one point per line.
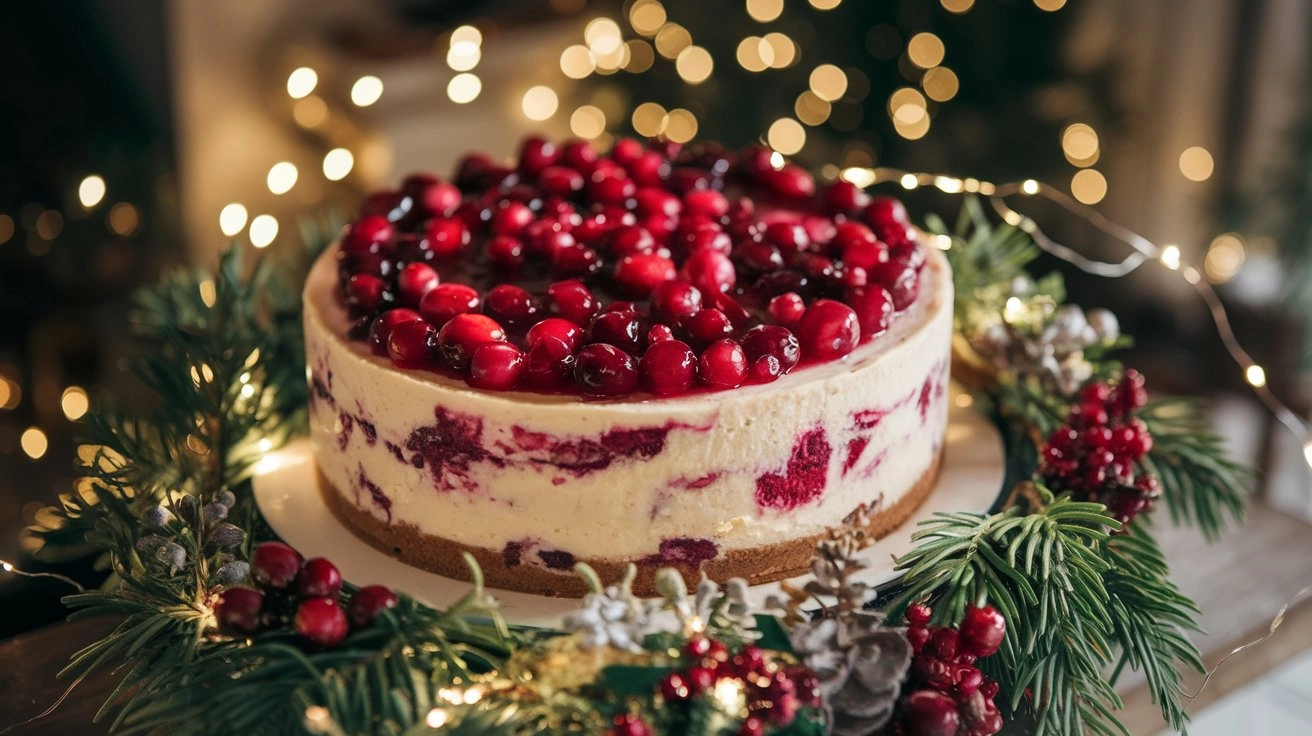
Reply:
x=287, y=491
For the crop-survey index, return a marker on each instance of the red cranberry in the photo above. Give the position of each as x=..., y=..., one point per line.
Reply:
x=902, y=282
x=931, y=713
x=386, y=204
x=319, y=578
x=370, y=601
x=884, y=211
x=707, y=326
x=704, y=236
x=845, y=198
x=238, y=610
x=611, y=186
x=629, y=239
x=511, y=219
x=510, y=305
x=572, y=301
x=919, y=614
x=706, y=202
x=535, y=155
x=765, y=369
x=786, y=309
x=465, y=332
x=561, y=329
x=639, y=274
x=759, y=256
x=668, y=367
x=446, y=237
x=381, y=328
x=412, y=343
x=414, y=281
x=618, y=328
x=605, y=370
x=446, y=301
x=561, y=181
x=828, y=330
x=650, y=201
x=659, y=333
x=856, y=245
x=579, y=155
x=321, y=621
x=365, y=293
x=982, y=630
x=774, y=341
x=788, y=235
x=873, y=306
x=505, y=251
x=470, y=169
x=546, y=238
x=575, y=261
x=791, y=181
x=710, y=271
x=675, y=300
x=274, y=565
x=626, y=150
x=496, y=366
x=628, y=724
x=439, y=198
x=366, y=234
x=675, y=688
x=550, y=363
x=723, y=365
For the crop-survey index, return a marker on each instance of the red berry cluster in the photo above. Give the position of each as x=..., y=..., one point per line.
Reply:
x=773, y=693
x=301, y=592
x=1096, y=453
x=946, y=694
x=651, y=267
x=629, y=724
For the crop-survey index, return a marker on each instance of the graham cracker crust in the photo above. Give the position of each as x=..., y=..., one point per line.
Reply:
x=414, y=547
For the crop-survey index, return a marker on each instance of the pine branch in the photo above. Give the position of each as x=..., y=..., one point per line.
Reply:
x=1201, y=486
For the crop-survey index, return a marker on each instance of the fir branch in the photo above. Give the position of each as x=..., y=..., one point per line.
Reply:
x=1200, y=485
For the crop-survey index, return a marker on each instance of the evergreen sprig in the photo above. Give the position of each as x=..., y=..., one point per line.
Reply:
x=1200, y=484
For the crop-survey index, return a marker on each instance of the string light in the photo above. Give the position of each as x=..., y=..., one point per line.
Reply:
x=8, y=567
x=264, y=228
x=783, y=50
x=694, y=64
x=232, y=219
x=1196, y=163
x=540, y=103
x=588, y=122
x=1170, y=256
x=366, y=91
x=602, y=36
x=1050, y=6
x=764, y=11
x=463, y=56
x=1079, y=143
x=671, y=39
x=940, y=84
x=467, y=34
x=74, y=403
x=786, y=136
x=1255, y=375
x=10, y=393
x=34, y=443
x=925, y=50
x=1225, y=256
x=828, y=82
x=649, y=119
x=124, y=219
x=1089, y=186
x=754, y=54
x=91, y=191
x=647, y=17
x=337, y=163
x=680, y=125
x=811, y=109
x=640, y=56
x=301, y=82
x=282, y=177
x=436, y=718
x=957, y=6
x=577, y=62
x=464, y=88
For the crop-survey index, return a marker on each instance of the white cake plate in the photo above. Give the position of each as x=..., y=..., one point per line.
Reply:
x=287, y=492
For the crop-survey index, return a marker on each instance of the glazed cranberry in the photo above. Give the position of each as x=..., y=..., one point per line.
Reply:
x=535, y=155
x=465, y=332
x=854, y=276
x=319, y=578
x=659, y=333
x=414, y=281
x=560, y=329
x=791, y=181
x=630, y=239
x=765, y=369
x=710, y=271
x=381, y=328
x=579, y=155
x=685, y=179
x=619, y=328
x=873, y=306
x=365, y=293
x=930, y=713
x=773, y=341
x=439, y=198
x=772, y=284
x=605, y=370
x=902, y=282
x=844, y=197
x=675, y=300
x=238, y=610
x=510, y=305
x=370, y=601
x=707, y=326
x=592, y=229
x=982, y=630
x=611, y=186
x=754, y=161
x=366, y=235
x=668, y=368
x=884, y=211
x=706, y=202
x=546, y=239
x=575, y=261
x=637, y=275
x=446, y=237
x=505, y=251
x=650, y=169
x=496, y=366
x=561, y=181
x=572, y=301
x=550, y=363
x=626, y=150
x=470, y=169
x=274, y=565
x=758, y=256
x=828, y=330
x=650, y=201
x=446, y=301
x=321, y=621
x=722, y=365
x=412, y=343
x=701, y=236
x=510, y=219
x=787, y=308
x=856, y=245
x=386, y=204
x=788, y=235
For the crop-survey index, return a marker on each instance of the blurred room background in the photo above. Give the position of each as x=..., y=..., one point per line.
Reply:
x=139, y=136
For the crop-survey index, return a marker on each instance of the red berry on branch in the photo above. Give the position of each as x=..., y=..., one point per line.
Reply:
x=238, y=610
x=321, y=621
x=319, y=578
x=930, y=713
x=274, y=565
x=370, y=601
x=982, y=630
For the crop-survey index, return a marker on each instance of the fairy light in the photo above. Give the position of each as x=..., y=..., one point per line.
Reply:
x=577, y=62
x=828, y=82
x=649, y=119
x=463, y=56
x=602, y=36
x=232, y=219
x=925, y=50
x=124, y=219
x=6, y=228
x=671, y=39
x=337, y=163
x=467, y=34
x=301, y=82
x=786, y=136
x=755, y=54
x=728, y=692
x=282, y=177
x=765, y=11
x=1255, y=375
x=782, y=49
x=1196, y=163
x=310, y=112
x=810, y=109
x=1050, y=6
x=640, y=56
x=825, y=4
x=34, y=443
x=940, y=84
x=1089, y=186
x=909, y=181
x=694, y=64
x=74, y=403
x=647, y=17
x=1079, y=143
x=91, y=191
x=957, y=6
x=464, y=88
x=1170, y=256
x=10, y=568
x=680, y=125
x=1225, y=256
x=366, y=91
x=264, y=229
x=588, y=122
x=540, y=103
x=436, y=718
x=10, y=393
x=49, y=225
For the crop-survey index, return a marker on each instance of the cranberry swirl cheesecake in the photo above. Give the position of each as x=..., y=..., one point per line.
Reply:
x=688, y=358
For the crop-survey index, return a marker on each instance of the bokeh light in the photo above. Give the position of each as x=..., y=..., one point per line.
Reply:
x=264, y=228
x=828, y=82
x=647, y=17
x=672, y=39
x=1225, y=256
x=588, y=122
x=694, y=64
x=74, y=403
x=786, y=135
x=91, y=191
x=301, y=82
x=282, y=177
x=940, y=84
x=681, y=125
x=649, y=119
x=124, y=219
x=540, y=102
x=1079, y=142
x=764, y=11
x=577, y=62
x=337, y=163
x=232, y=219
x=1089, y=186
x=464, y=88
x=1196, y=163
x=925, y=50
x=366, y=91
x=34, y=443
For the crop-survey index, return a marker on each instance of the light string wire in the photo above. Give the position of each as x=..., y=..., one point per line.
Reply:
x=7, y=566
x=1143, y=250
x=1297, y=598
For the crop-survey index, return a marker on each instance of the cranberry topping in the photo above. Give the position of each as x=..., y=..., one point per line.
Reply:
x=519, y=277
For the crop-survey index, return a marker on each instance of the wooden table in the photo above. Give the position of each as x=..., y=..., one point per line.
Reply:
x=1240, y=583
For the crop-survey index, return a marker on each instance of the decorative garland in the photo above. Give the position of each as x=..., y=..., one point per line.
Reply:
x=1028, y=614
